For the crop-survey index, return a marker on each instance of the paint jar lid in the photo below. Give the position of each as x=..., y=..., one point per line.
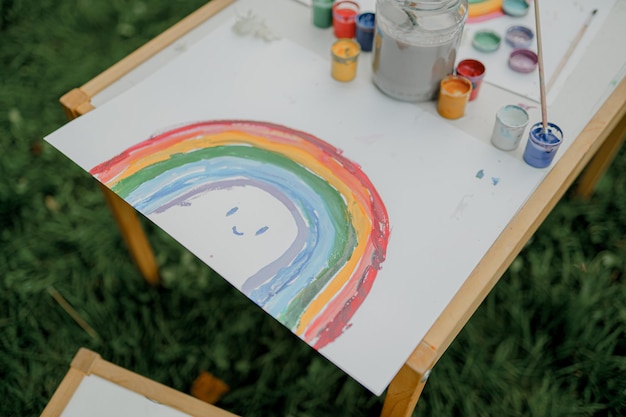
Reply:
x=470, y=68
x=345, y=50
x=456, y=86
x=523, y=60
x=519, y=36
x=486, y=41
x=515, y=8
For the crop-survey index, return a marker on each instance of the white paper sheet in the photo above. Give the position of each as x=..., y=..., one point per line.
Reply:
x=97, y=397
x=561, y=22
x=448, y=195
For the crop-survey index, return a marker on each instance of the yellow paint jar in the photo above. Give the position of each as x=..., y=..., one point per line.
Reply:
x=345, y=55
x=454, y=93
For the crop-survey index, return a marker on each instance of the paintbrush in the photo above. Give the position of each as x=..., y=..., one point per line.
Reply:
x=570, y=51
x=542, y=87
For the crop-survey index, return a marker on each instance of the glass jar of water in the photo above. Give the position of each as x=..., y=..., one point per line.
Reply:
x=415, y=45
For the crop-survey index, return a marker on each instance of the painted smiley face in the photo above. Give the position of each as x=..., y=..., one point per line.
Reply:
x=237, y=231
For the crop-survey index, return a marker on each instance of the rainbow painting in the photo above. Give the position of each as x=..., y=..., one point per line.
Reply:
x=340, y=224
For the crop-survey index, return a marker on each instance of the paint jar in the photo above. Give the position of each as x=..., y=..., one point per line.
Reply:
x=345, y=55
x=344, y=18
x=519, y=37
x=542, y=145
x=486, y=41
x=365, y=30
x=322, y=13
x=523, y=60
x=454, y=93
x=415, y=46
x=511, y=122
x=474, y=71
x=515, y=8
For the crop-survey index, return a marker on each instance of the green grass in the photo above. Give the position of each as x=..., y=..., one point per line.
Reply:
x=548, y=341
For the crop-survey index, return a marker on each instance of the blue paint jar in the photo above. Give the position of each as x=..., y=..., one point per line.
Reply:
x=365, y=30
x=542, y=145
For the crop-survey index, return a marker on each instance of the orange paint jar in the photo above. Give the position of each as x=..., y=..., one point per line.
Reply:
x=345, y=55
x=454, y=93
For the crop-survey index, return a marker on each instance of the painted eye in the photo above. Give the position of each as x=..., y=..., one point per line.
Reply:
x=232, y=211
x=261, y=230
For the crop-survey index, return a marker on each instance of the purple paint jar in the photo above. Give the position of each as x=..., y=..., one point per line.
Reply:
x=523, y=60
x=519, y=37
x=542, y=145
x=365, y=30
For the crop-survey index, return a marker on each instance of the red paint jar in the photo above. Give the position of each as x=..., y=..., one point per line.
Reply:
x=344, y=18
x=474, y=71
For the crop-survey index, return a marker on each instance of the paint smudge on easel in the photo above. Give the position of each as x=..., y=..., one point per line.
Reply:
x=251, y=24
x=480, y=174
x=461, y=207
x=526, y=106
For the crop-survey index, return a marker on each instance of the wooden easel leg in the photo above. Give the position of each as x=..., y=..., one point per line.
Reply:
x=76, y=103
x=134, y=235
x=407, y=386
x=601, y=161
x=403, y=393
